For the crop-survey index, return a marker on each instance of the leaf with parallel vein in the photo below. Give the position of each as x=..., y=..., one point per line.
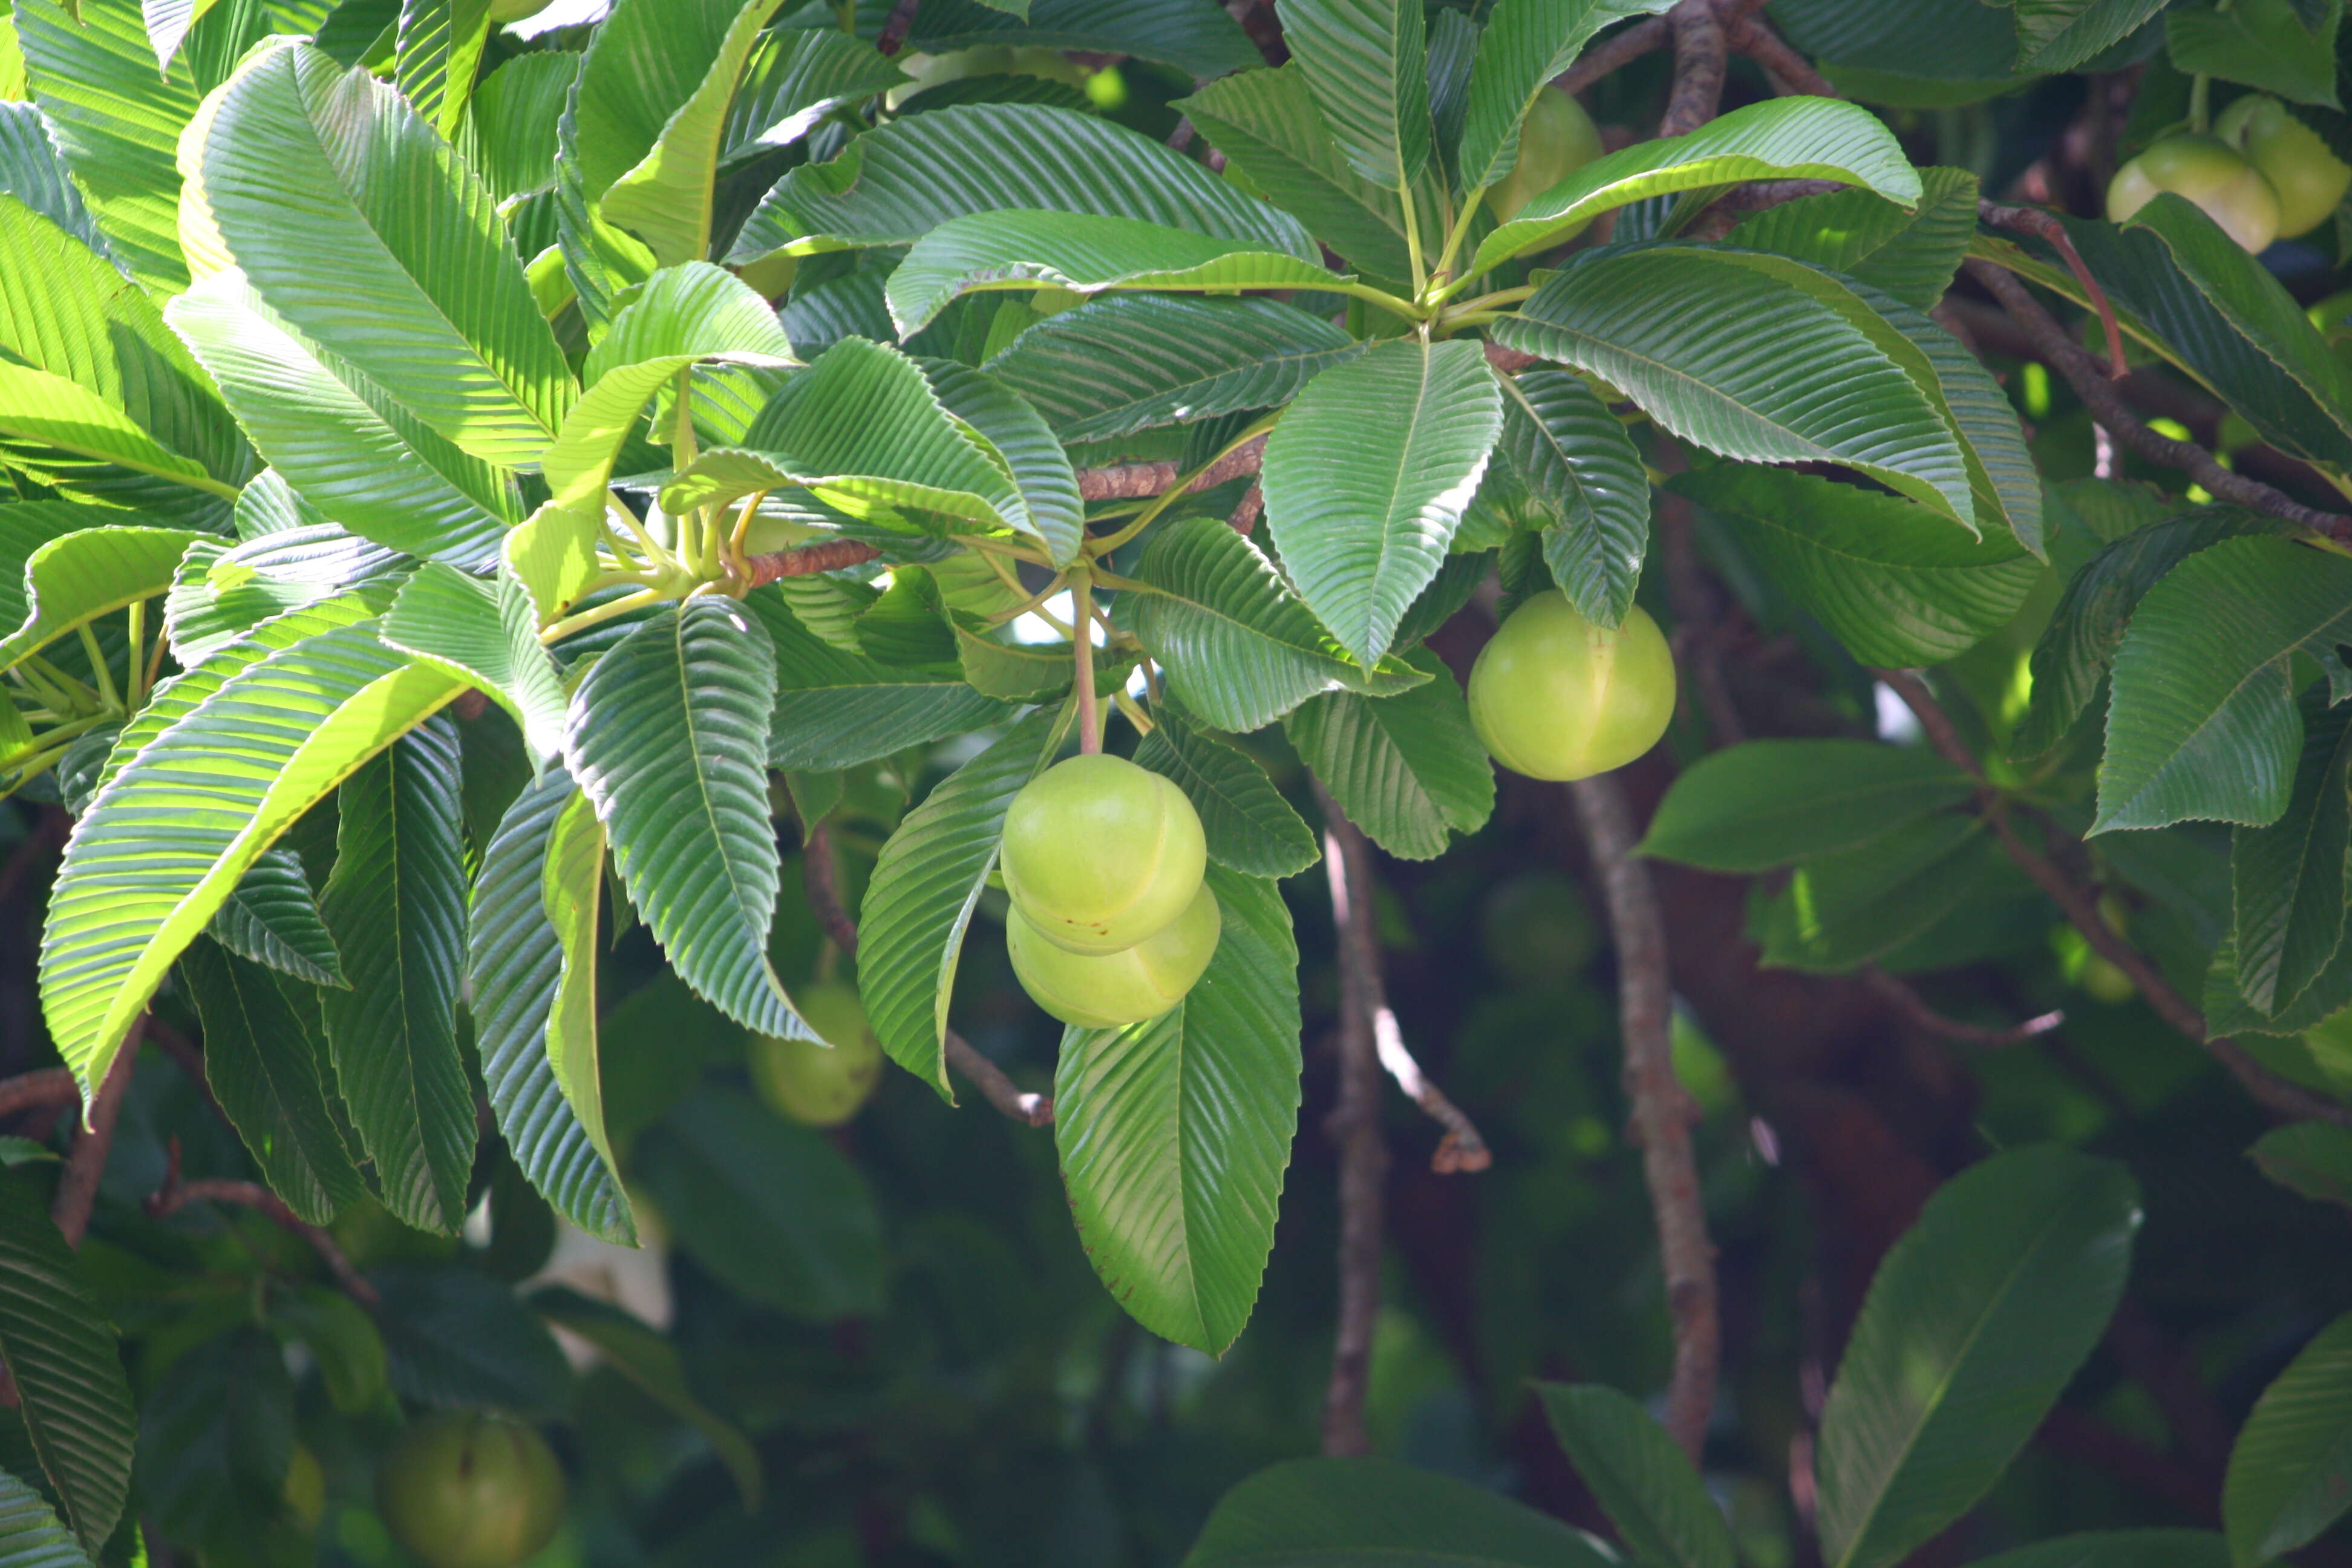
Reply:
x=1585, y=477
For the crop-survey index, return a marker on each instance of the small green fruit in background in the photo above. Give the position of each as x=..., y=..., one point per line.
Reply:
x=820, y=1085
x=2309, y=180
x=1113, y=989
x=464, y=1489
x=1556, y=140
x=306, y=1487
x=1554, y=695
x=1100, y=853
x=2207, y=171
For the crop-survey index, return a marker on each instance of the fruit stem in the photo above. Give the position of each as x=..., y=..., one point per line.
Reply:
x=1135, y=715
x=2200, y=94
x=1082, y=619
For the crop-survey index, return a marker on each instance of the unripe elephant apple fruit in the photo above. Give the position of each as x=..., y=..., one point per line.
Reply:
x=1554, y=695
x=1556, y=140
x=1112, y=989
x=2209, y=172
x=1100, y=854
x=820, y=1085
x=2308, y=179
x=464, y=1489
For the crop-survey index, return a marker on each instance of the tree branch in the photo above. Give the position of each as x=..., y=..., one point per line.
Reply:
x=176, y=1194
x=807, y=561
x=48, y=1086
x=1354, y=1125
x=1132, y=481
x=1790, y=71
x=1700, y=58
x=2046, y=228
x=87, y=1164
x=897, y=25
x=2080, y=904
x=1663, y=1111
x=1614, y=52
x=2060, y=353
x=1914, y=1007
x=820, y=880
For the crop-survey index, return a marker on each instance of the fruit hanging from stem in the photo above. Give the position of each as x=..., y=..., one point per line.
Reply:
x=1100, y=854
x=1113, y=989
x=2207, y=171
x=1554, y=695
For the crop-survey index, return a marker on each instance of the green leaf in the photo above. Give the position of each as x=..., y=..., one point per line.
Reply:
x=202, y=795
x=396, y=903
x=2291, y=1470
x=1125, y=362
x=1367, y=476
x=2264, y=47
x=1525, y=44
x=1342, y=1513
x=770, y=1208
x=217, y=1435
x=459, y=1340
x=1677, y=328
x=32, y=171
x=73, y=580
x=2060, y=34
x=272, y=918
x=895, y=184
x=1895, y=582
x=926, y=883
x=1266, y=124
x=1174, y=1133
x=221, y=591
x=343, y=1339
x=61, y=1351
x=1910, y=255
x=356, y=224
x=2314, y=1158
x=1855, y=905
x=1764, y=804
x=795, y=78
x=1250, y=828
x=1780, y=139
x=485, y=633
x=667, y=197
x=1197, y=37
x=2077, y=647
x=669, y=737
x=117, y=121
x=265, y=1062
x=437, y=53
x=2202, y=724
x=1049, y=510
x=640, y=1352
x=1653, y=1496
x=2121, y=1548
x=30, y=1533
x=1083, y=253
x=1973, y=1326
x=1406, y=769
x=2288, y=879
x=531, y=958
x=1584, y=477
x=836, y=710
x=337, y=439
x=1237, y=647
x=40, y=410
x=1366, y=62
x=511, y=132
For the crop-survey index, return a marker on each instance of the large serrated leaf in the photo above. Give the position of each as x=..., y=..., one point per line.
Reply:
x=1581, y=472
x=669, y=737
x=487, y=634
x=1366, y=63
x=438, y=50
x=60, y=1349
x=2290, y=1471
x=1341, y=1513
x=1769, y=803
x=2060, y=34
x=2288, y=879
x=1525, y=44
x=836, y=710
x=1972, y=1326
x=1047, y=488
x=72, y=580
x=1197, y=37
x=1368, y=475
x=1910, y=255
x=1653, y=1496
x=1407, y=769
x=926, y=884
x=396, y=903
x=31, y=1536
x=1174, y=1133
x=2121, y=1548
x=667, y=197
x=1248, y=825
x=272, y=918
x=796, y=77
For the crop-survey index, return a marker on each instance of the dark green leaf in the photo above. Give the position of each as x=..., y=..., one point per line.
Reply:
x=1910, y=255
x=460, y=1340
x=1406, y=769
x=836, y=710
x=2060, y=34
x=1769, y=803
x=30, y=1533
x=1656, y=1500
x=2314, y=1158
x=2121, y=1548
x=2264, y=47
x=1248, y=825
x=1366, y=63
x=1855, y=905
x=1197, y=37
x=795, y=78
x=272, y=918
x=1583, y=474
x=2290, y=1471
x=217, y=1435
x=2288, y=879
x=1526, y=44
x=1342, y=1513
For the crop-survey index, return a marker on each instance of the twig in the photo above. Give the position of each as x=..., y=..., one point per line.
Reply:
x=2060, y=353
x=79, y=1190
x=897, y=25
x=1354, y=1125
x=176, y=1193
x=823, y=887
x=1461, y=1149
x=2046, y=228
x=1616, y=51
x=2081, y=906
x=807, y=561
x=1252, y=506
x=48, y=1086
x=1181, y=138
x=1128, y=481
x=1790, y=71
x=1915, y=1008
x=1662, y=1110
x=1700, y=57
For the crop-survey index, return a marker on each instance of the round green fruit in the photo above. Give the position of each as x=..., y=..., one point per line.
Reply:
x=306, y=1487
x=2207, y=171
x=1556, y=140
x=820, y=1085
x=1100, y=854
x=1554, y=696
x=2308, y=179
x=1113, y=989
x=467, y=1489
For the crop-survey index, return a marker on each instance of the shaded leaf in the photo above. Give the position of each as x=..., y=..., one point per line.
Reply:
x=1337, y=1513
x=2288, y=879
x=1366, y=63
x=2060, y=34
x=2290, y=1469
x=1764, y=804
x=1910, y=255
x=836, y=710
x=459, y=1340
x=1248, y=825
x=2314, y=1158
x=1406, y=769
x=1583, y=474
x=1656, y=1500
x=1525, y=44
x=486, y=633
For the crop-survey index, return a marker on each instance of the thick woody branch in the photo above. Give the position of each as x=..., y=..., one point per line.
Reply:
x=1615, y=52
x=1130, y=481
x=1355, y=1125
x=1700, y=58
x=176, y=1194
x=1790, y=71
x=807, y=561
x=1663, y=1111
x=2060, y=353
x=897, y=25
x=78, y=1190
x=47, y=1087
x=823, y=887
x=1914, y=1009
x=2080, y=903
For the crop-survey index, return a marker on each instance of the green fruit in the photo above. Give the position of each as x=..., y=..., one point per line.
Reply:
x=1124, y=987
x=1556, y=139
x=467, y=1489
x=2206, y=171
x=1100, y=853
x=820, y=1085
x=1554, y=696
x=2309, y=180
x=306, y=1487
